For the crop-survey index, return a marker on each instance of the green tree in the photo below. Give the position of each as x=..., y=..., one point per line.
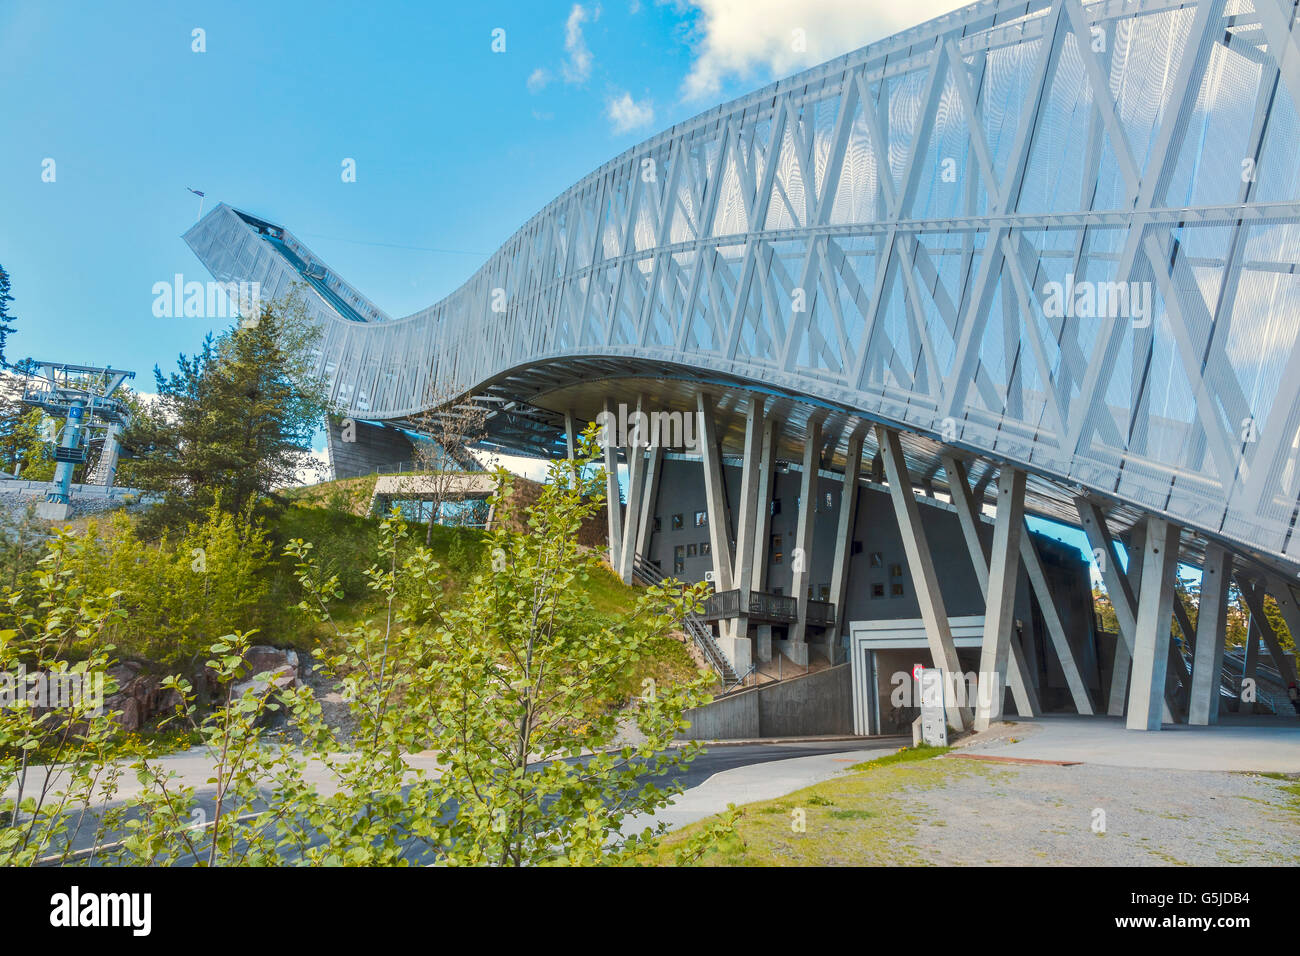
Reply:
x=233, y=423
x=6, y=317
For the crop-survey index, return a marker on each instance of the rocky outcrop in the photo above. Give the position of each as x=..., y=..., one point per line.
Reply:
x=268, y=666
x=139, y=696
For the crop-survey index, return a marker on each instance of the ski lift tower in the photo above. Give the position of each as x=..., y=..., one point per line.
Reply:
x=81, y=396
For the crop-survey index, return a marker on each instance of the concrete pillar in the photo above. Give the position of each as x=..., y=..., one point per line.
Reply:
x=999, y=610
x=1019, y=676
x=844, y=538
x=801, y=559
x=571, y=433
x=763, y=504
x=1211, y=632
x=763, y=642
x=649, y=500
x=1055, y=628
x=613, y=507
x=715, y=495
x=1154, y=619
x=920, y=563
x=748, y=519
x=1118, y=590
x=1254, y=597
x=634, y=452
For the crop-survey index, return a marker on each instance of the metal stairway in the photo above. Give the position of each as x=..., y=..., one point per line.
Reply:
x=647, y=574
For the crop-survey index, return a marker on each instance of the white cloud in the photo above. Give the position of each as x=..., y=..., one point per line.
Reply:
x=626, y=114
x=538, y=79
x=577, y=68
x=746, y=38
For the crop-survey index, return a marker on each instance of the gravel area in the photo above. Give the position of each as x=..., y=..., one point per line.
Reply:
x=83, y=506
x=1011, y=814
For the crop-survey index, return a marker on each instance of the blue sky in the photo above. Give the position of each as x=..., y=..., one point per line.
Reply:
x=455, y=145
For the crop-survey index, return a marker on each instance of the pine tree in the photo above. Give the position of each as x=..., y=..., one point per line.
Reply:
x=232, y=423
x=6, y=318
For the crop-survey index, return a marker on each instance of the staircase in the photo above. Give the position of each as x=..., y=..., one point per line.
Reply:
x=647, y=574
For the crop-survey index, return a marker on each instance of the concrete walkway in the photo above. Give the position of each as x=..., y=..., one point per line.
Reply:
x=1238, y=744
x=750, y=784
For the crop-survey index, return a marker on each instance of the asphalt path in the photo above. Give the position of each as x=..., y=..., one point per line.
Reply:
x=713, y=759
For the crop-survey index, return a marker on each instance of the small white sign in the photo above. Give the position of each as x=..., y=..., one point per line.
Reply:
x=934, y=720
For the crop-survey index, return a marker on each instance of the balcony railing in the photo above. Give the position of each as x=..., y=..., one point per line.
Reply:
x=763, y=606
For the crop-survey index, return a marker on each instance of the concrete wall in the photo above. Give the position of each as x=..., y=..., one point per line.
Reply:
x=375, y=447
x=814, y=705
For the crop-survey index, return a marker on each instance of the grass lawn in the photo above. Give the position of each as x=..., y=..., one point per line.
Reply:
x=857, y=818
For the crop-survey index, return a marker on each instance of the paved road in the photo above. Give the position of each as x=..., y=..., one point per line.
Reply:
x=712, y=761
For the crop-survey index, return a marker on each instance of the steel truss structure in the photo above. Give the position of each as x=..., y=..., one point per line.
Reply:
x=1054, y=234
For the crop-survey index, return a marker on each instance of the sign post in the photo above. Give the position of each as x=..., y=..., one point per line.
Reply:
x=934, y=718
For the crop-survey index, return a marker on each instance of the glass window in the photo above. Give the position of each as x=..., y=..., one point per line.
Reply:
x=705, y=548
x=776, y=506
x=701, y=519
x=895, y=570
x=677, y=522
x=690, y=550
x=877, y=559
x=896, y=589
x=829, y=503
x=776, y=552
x=679, y=559
x=877, y=591
x=658, y=526
x=824, y=592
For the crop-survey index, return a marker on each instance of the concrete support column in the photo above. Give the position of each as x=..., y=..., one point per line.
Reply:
x=634, y=452
x=801, y=563
x=1154, y=619
x=763, y=503
x=571, y=433
x=715, y=495
x=1254, y=597
x=1211, y=632
x=748, y=519
x=613, y=507
x=1055, y=628
x=649, y=500
x=1019, y=675
x=1121, y=599
x=844, y=538
x=999, y=610
x=920, y=563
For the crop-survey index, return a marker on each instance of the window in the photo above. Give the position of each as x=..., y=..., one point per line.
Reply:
x=776, y=551
x=896, y=590
x=658, y=525
x=877, y=591
x=690, y=550
x=679, y=559
x=857, y=548
x=778, y=591
x=829, y=502
x=677, y=522
x=824, y=592
x=705, y=549
x=895, y=570
x=701, y=519
x=776, y=506
x=877, y=559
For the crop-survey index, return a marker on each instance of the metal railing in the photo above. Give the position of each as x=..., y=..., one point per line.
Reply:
x=646, y=573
